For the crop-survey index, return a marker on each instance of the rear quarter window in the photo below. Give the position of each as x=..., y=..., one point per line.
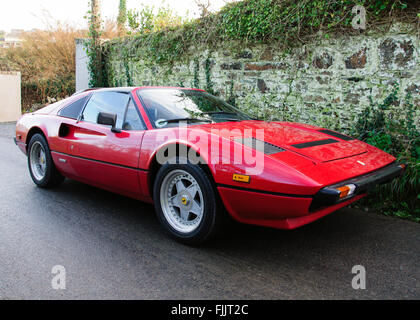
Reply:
x=73, y=110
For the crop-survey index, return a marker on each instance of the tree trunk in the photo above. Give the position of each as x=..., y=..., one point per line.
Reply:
x=95, y=33
x=122, y=18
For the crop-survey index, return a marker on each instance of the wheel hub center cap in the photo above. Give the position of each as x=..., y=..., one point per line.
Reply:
x=184, y=200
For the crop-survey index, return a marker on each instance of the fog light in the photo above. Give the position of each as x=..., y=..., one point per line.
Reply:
x=346, y=190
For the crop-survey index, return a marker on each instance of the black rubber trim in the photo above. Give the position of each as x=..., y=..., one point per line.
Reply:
x=329, y=196
x=17, y=142
x=324, y=198
x=314, y=143
x=384, y=175
x=337, y=135
x=99, y=161
x=138, y=112
x=264, y=192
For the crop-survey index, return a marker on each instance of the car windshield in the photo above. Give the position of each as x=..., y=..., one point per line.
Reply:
x=168, y=107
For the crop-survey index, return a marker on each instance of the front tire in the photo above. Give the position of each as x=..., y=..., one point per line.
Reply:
x=40, y=163
x=186, y=203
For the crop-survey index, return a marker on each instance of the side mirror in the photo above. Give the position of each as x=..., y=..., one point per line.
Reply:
x=108, y=119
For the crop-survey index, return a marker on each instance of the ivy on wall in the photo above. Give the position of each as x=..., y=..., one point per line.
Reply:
x=209, y=82
x=94, y=48
x=288, y=23
x=283, y=23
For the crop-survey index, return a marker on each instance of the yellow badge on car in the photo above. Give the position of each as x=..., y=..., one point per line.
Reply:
x=241, y=178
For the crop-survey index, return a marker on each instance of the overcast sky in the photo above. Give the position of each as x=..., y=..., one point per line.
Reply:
x=28, y=14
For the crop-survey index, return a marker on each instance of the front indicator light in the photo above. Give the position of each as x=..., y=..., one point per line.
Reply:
x=346, y=190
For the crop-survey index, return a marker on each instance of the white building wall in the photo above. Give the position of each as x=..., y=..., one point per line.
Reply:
x=10, y=96
x=82, y=72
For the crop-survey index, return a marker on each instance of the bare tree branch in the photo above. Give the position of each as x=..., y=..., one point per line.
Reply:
x=204, y=7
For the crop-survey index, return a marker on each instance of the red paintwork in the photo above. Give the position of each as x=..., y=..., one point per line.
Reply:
x=120, y=162
x=269, y=205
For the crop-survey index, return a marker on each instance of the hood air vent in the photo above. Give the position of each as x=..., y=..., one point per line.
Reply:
x=337, y=135
x=262, y=146
x=314, y=143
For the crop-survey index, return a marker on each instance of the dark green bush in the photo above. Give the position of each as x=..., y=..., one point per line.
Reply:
x=381, y=126
x=40, y=92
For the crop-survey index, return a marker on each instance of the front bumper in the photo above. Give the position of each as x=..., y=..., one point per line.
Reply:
x=329, y=196
x=293, y=211
x=20, y=144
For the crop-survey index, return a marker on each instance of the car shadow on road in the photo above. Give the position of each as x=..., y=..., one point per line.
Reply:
x=344, y=226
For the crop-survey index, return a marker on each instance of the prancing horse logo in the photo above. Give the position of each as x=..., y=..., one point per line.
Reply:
x=184, y=201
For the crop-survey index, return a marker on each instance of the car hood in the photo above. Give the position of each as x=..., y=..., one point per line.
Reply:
x=311, y=142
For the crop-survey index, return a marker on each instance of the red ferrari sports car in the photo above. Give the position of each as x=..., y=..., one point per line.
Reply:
x=196, y=157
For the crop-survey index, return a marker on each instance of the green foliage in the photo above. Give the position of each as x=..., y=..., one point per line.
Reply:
x=94, y=49
x=383, y=127
x=128, y=74
x=37, y=93
x=196, y=83
x=149, y=19
x=291, y=20
x=231, y=99
x=122, y=16
x=209, y=82
x=161, y=37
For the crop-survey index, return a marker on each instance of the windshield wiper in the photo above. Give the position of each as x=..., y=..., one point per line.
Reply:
x=219, y=112
x=226, y=113
x=210, y=113
x=230, y=120
x=188, y=120
x=164, y=122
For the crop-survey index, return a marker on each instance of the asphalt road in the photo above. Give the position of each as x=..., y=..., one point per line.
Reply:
x=113, y=248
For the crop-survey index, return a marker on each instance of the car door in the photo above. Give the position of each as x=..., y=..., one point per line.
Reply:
x=104, y=158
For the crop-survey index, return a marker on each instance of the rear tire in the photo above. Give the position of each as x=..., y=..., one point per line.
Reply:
x=186, y=203
x=41, y=165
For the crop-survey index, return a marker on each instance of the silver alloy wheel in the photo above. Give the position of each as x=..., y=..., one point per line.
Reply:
x=182, y=201
x=38, y=161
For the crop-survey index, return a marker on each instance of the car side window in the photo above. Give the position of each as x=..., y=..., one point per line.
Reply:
x=73, y=110
x=132, y=118
x=109, y=102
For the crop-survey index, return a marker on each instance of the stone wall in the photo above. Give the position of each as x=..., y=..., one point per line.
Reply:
x=327, y=82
